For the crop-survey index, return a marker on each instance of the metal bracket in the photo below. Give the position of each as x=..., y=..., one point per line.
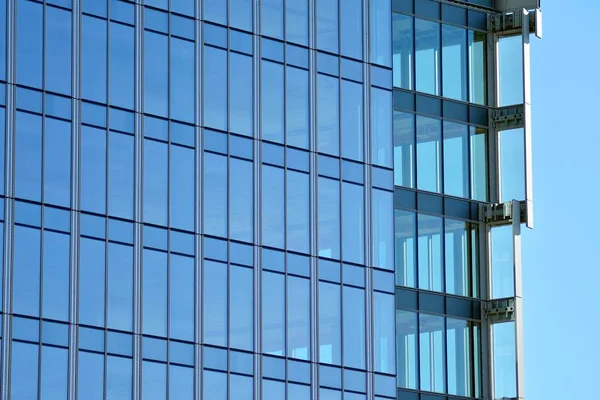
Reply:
x=501, y=213
x=510, y=23
x=508, y=117
x=500, y=310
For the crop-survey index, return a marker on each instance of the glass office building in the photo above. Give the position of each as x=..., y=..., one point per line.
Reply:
x=263, y=199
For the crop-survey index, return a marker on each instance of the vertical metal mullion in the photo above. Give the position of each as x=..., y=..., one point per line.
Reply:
x=198, y=202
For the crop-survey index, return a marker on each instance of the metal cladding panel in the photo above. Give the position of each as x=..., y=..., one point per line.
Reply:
x=508, y=5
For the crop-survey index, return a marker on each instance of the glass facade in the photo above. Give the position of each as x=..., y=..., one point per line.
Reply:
x=238, y=199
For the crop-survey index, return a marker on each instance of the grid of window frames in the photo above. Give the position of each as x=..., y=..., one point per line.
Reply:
x=201, y=203
x=440, y=148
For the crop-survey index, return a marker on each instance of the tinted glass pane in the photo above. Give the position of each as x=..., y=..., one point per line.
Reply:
x=54, y=373
x=454, y=62
x=56, y=276
x=272, y=18
x=384, y=333
x=502, y=249
x=432, y=350
x=383, y=228
x=405, y=247
x=154, y=381
x=351, y=28
x=155, y=182
x=240, y=14
x=156, y=66
x=154, y=290
x=354, y=327
x=478, y=164
x=182, y=185
x=327, y=25
x=459, y=339
x=272, y=100
x=181, y=381
x=298, y=322
x=298, y=211
x=429, y=134
x=273, y=313
x=512, y=164
x=120, y=175
x=406, y=349
x=215, y=88
x=90, y=375
x=182, y=80
x=353, y=229
x=58, y=50
x=91, y=282
x=28, y=156
x=456, y=246
x=329, y=323
x=241, y=205
x=510, y=70
x=93, y=169
x=240, y=94
x=241, y=387
x=427, y=45
x=404, y=149
x=29, y=44
x=181, y=292
x=215, y=194
x=93, y=58
x=381, y=126
x=329, y=218
x=297, y=102
x=57, y=168
x=215, y=385
x=352, y=120
x=119, y=377
x=477, y=67
x=430, y=253
x=381, y=35
x=26, y=271
x=505, y=360
x=403, y=56
x=120, y=286
x=328, y=129
x=456, y=163
x=215, y=303
x=273, y=217
x=241, y=317
x=23, y=383
x=296, y=21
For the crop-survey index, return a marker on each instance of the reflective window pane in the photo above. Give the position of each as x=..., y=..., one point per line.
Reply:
x=273, y=313
x=241, y=299
x=54, y=380
x=122, y=65
x=477, y=67
x=384, y=339
x=328, y=212
x=354, y=327
x=28, y=156
x=240, y=94
x=55, y=290
x=454, y=62
x=430, y=253
x=456, y=163
x=351, y=28
x=502, y=253
x=90, y=375
x=91, y=281
x=298, y=211
x=120, y=175
x=382, y=221
x=181, y=295
x=272, y=18
x=405, y=247
x=504, y=360
x=352, y=120
x=215, y=88
x=478, y=162
x=181, y=187
x=119, y=371
x=512, y=164
x=429, y=168
x=57, y=162
x=381, y=127
x=298, y=321
x=155, y=182
x=297, y=102
x=24, y=383
x=215, y=194
x=296, y=21
x=156, y=79
x=273, y=216
x=353, y=229
x=26, y=271
x=404, y=149
x=215, y=303
x=328, y=129
x=380, y=35
x=327, y=25
x=427, y=48
x=403, y=56
x=406, y=349
x=241, y=206
x=272, y=103
x=432, y=351
x=29, y=21
x=154, y=290
x=329, y=323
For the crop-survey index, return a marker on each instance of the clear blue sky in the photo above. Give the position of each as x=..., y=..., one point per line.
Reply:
x=561, y=262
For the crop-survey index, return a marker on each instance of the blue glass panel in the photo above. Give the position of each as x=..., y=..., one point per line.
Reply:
x=240, y=41
x=404, y=149
x=241, y=387
x=26, y=329
x=330, y=376
x=29, y=43
x=26, y=271
x=156, y=20
x=384, y=333
x=120, y=287
x=57, y=162
x=298, y=392
x=240, y=14
x=240, y=94
x=215, y=195
x=91, y=282
x=58, y=50
x=241, y=317
x=241, y=147
x=154, y=349
x=273, y=218
x=121, y=65
x=242, y=254
x=156, y=128
x=299, y=371
x=181, y=188
x=181, y=353
x=354, y=327
x=353, y=223
x=156, y=80
x=183, y=27
x=56, y=276
x=241, y=362
x=273, y=313
x=120, y=231
x=154, y=381
x=122, y=11
x=352, y=120
x=271, y=49
x=272, y=390
x=273, y=260
x=154, y=290
x=119, y=377
x=182, y=80
x=28, y=156
x=54, y=380
x=2, y=44
x=92, y=225
x=215, y=249
x=155, y=182
x=352, y=172
x=215, y=141
x=121, y=120
x=183, y=134
x=215, y=358
x=23, y=383
x=328, y=129
x=119, y=343
x=93, y=58
x=30, y=100
x=215, y=10
x=90, y=375
x=272, y=154
x=215, y=88
x=215, y=35
x=183, y=6
x=429, y=166
x=381, y=32
x=329, y=270
x=296, y=21
x=383, y=228
x=181, y=293
x=454, y=62
x=93, y=169
x=298, y=212
x=298, y=322
x=120, y=175
x=296, y=55
x=181, y=382
x=58, y=106
x=329, y=218
x=273, y=367
x=403, y=43
x=215, y=385
x=381, y=127
x=271, y=16
x=351, y=28
x=327, y=25
x=297, y=103
x=155, y=237
x=456, y=163
x=182, y=242
x=352, y=70
x=241, y=207
x=298, y=159
x=298, y=265
x=330, y=348
x=272, y=101
x=215, y=303
x=427, y=49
